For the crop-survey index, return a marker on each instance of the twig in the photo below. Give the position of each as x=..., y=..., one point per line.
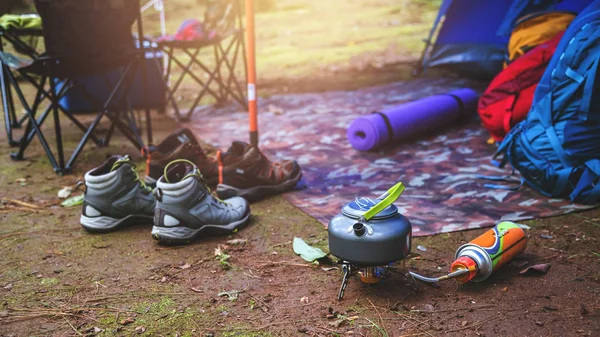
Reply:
x=418, y=321
x=380, y=318
x=556, y=250
x=20, y=203
x=71, y=325
x=261, y=304
x=455, y=309
x=286, y=263
x=592, y=222
x=6, y=236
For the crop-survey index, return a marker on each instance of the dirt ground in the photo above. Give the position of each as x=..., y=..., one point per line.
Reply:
x=58, y=280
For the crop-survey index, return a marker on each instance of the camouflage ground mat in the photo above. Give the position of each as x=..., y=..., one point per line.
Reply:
x=443, y=192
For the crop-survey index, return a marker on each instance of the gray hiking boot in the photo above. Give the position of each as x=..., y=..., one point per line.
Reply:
x=186, y=207
x=115, y=196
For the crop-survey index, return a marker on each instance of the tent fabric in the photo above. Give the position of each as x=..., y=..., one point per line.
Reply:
x=468, y=36
x=522, y=8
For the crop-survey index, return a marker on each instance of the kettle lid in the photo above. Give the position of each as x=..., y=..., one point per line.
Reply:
x=358, y=207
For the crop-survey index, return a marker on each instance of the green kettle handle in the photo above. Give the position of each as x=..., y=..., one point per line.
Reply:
x=386, y=199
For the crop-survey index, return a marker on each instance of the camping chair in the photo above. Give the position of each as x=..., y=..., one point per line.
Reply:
x=84, y=39
x=223, y=17
x=22, y=32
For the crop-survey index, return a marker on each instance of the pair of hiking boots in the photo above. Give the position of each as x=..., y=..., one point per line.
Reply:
x=181, y=206
x=241, y=171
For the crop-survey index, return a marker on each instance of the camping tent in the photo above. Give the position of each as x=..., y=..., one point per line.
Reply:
x=469, y=37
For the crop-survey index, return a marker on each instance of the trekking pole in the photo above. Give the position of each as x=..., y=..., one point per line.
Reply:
x=251, y=70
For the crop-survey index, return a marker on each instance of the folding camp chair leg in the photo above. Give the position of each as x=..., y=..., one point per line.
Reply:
x=33, y=123
x=185, y=70
x=9, y=114
x=57, y=128
x=125, y=81
x=229, y=86
x=222, y=92
x=205, y=86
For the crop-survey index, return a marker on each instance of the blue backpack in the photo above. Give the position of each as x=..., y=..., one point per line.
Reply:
x=557, y=147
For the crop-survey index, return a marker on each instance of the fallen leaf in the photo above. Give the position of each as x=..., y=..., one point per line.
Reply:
x=539, y=268
x=197, y=290
x=97, y=329
x=421, y=248
x=140, y=329
x=232, y=295
x=164, y=279
x=125, y=321
x=549, y=308
x=235, y=242
x=73, y=201
x=464, y=323
x=220, y=250
x=546, y=236
x=304, y=300
x=307, y=252
x=539, y=323
x=505, y=289
x=8, y=286
x=65, y=192
x=337, y=323
x=185, y=266
x=21, y=181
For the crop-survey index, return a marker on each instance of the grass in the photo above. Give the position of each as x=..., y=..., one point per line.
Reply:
x=308, y=40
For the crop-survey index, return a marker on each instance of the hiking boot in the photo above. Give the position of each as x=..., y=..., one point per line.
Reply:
x=244, y=171
x=179, y=145
x=186, y=207
x=115, y=196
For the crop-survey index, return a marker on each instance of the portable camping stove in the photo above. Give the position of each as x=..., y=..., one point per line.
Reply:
x=368, y=235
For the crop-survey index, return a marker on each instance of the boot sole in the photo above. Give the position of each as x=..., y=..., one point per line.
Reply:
x=184, y=235
x=105, y=224
x=257, y=192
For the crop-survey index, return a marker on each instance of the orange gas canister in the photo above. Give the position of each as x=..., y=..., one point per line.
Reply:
x=480, y=258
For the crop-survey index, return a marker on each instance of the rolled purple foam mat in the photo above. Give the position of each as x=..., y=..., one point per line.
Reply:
x=411, y=119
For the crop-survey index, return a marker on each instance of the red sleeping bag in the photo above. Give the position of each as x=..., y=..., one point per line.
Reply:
x=508, y=98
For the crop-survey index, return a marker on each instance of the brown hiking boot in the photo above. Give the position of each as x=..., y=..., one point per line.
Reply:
x=244, y=171
x=179, y=145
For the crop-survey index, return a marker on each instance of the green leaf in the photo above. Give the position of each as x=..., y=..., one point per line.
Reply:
x=307, y=252
x=73, y=201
